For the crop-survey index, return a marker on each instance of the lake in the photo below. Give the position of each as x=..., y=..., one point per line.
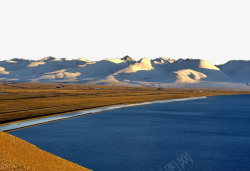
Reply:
x=203, y=134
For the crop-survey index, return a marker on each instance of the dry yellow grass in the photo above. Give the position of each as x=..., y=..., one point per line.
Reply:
x=32, y=100
x=17, y=154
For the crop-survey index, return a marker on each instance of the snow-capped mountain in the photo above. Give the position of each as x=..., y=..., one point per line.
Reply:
x=164, y=72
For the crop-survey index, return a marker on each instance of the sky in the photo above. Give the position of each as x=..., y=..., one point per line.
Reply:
x=214, y=30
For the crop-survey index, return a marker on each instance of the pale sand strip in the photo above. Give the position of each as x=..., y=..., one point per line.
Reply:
x=17, y=154
x=34, y=122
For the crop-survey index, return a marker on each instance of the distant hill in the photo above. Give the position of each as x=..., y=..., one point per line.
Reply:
x=163, y=72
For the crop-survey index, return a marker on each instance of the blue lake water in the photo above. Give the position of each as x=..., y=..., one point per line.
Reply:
x=204, y=134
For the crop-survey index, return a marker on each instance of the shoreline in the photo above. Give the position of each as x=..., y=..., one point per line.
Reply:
x=22, y=161
x=35, y=101
x=35, y=122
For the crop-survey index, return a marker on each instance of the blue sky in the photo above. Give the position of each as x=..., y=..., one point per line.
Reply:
x=216, y=31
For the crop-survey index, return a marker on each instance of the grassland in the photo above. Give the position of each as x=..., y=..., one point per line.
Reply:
x=23, y=101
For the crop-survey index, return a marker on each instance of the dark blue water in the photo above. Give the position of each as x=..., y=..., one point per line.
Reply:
x=205, y=134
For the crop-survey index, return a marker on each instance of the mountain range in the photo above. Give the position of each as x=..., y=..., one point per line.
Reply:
x=159, y=72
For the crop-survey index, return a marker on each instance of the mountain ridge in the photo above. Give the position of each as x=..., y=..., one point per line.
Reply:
x=128, y=72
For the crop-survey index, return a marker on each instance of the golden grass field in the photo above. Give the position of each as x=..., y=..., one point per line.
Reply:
x=24, y=101
x=31, y=100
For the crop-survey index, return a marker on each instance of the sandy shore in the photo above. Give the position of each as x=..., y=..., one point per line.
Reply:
x=17, y=154
x=35, y=122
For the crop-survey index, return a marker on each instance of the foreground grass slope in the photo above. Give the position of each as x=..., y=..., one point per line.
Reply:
x=17, y=154
x=24, y=101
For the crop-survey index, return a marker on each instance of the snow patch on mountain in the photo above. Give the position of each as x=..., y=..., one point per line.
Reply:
x=2, y=71
x=35, y=64
x=188, y=76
